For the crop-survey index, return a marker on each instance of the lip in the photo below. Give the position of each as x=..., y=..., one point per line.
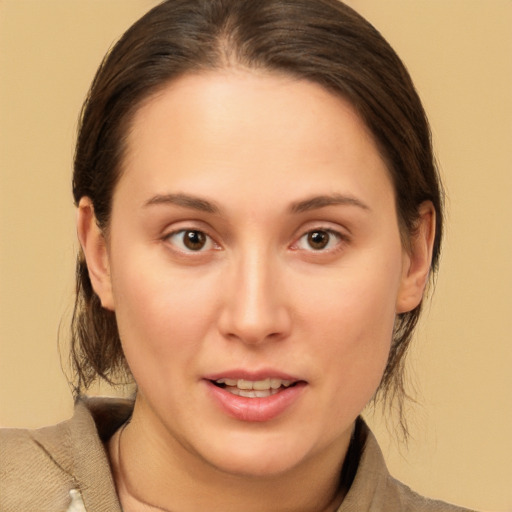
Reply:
x=253, y=375
x=254, y=409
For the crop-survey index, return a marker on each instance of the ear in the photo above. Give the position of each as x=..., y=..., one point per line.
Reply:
x=417, y=260
x=95, y=251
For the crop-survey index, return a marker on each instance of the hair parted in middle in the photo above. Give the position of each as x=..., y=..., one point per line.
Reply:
x=323, y=41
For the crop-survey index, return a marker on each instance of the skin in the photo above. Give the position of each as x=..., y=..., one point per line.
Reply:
x=258, y=296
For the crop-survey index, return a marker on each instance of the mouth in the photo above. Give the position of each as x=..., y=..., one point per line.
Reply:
x=254, y=388
x=255, y=396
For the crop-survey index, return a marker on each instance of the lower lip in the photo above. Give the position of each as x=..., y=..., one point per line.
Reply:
x=255, y=409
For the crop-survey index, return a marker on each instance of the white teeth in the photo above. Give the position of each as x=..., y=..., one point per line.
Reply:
x=276, y=383
x=261, y=384
x=256, y=385
x=246, y=384
x=252, y=393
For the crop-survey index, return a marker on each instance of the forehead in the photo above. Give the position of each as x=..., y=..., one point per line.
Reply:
x=214, y=97
x=258, y=125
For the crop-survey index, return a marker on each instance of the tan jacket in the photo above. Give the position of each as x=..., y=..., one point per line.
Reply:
x=64, y=468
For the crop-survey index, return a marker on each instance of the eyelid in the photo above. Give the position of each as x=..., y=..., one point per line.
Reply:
x=341, y=236
x=212, y=244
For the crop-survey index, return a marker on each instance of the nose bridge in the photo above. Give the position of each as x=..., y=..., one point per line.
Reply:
x=255, y=309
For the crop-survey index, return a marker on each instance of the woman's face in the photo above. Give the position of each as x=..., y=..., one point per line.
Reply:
x=255, y=267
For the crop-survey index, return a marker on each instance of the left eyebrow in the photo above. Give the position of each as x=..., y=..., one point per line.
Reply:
x=183, y=200
x=316, y=202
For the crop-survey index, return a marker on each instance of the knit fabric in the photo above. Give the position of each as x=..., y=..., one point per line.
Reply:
x=65, y=468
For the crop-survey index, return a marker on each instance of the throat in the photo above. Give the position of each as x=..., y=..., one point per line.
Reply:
x=148, y=479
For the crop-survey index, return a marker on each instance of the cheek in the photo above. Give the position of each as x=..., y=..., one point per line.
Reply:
x=359, y=305
x=353, y=354
x=157, y=312
x=352, y=319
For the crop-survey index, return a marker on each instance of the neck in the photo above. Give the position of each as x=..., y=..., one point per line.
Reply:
x=155, y=474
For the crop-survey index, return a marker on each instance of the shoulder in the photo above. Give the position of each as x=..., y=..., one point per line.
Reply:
x=49, y=468
x=375, y=490
x=409, y=500
x=35, y=468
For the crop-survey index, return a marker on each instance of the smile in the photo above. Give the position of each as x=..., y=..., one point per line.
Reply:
x=258, y=400
x=253, y=388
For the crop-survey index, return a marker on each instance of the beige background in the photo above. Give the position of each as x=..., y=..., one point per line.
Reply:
x=459, y=53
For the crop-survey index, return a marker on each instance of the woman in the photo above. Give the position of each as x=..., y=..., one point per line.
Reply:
x=259, y=213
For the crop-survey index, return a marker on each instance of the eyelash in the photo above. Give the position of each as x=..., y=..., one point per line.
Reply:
x=209, y=243
x=335, y=241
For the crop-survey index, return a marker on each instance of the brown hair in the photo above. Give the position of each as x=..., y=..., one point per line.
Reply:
x=320, y=40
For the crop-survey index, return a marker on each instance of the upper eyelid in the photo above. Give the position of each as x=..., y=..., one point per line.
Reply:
x=331, y=231
x=197, y=225
x=167, y=236
x=341, y=242
x=186, y=225
x=331, y=227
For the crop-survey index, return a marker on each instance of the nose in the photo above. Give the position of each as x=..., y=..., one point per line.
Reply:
x=255, y=307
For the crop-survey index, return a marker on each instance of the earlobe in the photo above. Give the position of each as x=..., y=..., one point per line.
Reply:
x=417, y=260
x=95, y=251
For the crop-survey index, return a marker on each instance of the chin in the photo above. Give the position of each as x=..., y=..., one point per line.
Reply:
x=260, y=454
x=261, y=464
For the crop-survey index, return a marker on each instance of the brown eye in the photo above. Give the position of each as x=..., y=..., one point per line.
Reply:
x=190, y=240
x=194, y=240
x=318, y=240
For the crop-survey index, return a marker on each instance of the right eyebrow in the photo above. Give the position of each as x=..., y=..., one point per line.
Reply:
x=184, y=200
x=317, y=202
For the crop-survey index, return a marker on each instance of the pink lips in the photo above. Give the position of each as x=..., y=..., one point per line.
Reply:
x=254, y=409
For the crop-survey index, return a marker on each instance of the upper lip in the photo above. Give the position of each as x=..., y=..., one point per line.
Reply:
x=251, y=375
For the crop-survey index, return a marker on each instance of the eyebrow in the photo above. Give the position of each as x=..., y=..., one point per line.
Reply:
x=184, y=200
x=316, y=202
x=312, y=203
